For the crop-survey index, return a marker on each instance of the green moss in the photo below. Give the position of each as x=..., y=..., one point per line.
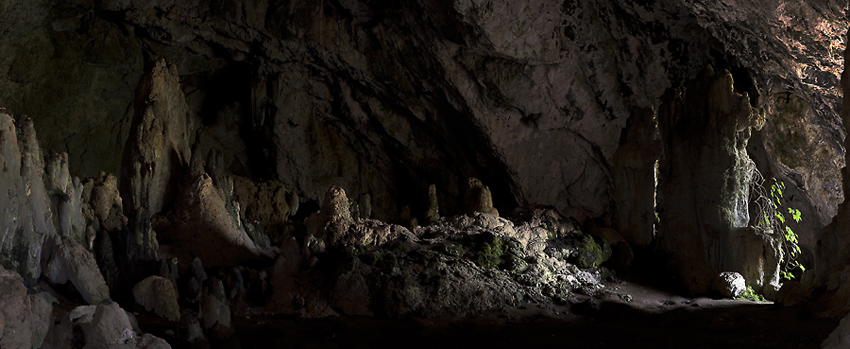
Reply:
x=490, y=254
x=591, y=253
x=455, y=250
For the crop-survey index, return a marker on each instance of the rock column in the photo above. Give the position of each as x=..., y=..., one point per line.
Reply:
x=704, y=177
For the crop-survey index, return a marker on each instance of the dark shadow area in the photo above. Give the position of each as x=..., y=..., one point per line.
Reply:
x=611, y=326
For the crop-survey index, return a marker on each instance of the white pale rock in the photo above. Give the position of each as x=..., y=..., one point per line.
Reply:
x=731, y=284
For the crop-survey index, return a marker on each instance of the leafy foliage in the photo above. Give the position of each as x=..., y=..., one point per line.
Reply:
x=751, y=295
x=773, y=211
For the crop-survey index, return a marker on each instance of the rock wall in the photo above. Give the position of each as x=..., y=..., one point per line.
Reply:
x=385, y=100
x=545, y=103
x=704, y=176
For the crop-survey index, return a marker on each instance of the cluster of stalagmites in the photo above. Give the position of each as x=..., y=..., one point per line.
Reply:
x=75, y=268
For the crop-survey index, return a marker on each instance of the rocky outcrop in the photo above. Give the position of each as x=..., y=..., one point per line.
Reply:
x=72, y=262
x=268, y=204
x=478, y=94
x=460, y=266
x=249, y=112
x=24, y=319
x=103, y=326
x=156, y=155
x=704, y=180
x=832, y=261
x=203, y=225
x=26, y=210
x=478, y=198
x=158, y=295
x=635, y=169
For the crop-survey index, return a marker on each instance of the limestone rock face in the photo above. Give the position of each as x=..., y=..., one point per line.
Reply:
x=203, y=225
x=635, y=177
x=267, y=203
x=478, y=93
x=704, y=182
x=830, y=267
x=215, y=310
x=156, y=155
x=159, y=142
x=26, y=211
x=338, y=228
x=72, y=262
x=534, y=98
x=102, y=196
x=478, y=198
x=547, y=103
x=460, y=266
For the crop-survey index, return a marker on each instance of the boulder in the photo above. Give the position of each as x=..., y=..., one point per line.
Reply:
x=158, y=295
x=72, y=262
x=214, y=309
x=16, y=328
x=104, y=326
x=730, y=284
x=840, y=337
x=42, y=317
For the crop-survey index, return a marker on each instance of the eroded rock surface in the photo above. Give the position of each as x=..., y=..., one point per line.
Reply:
x=159, y=295
x=704, y=180
x=459, y=266
x=72, y=262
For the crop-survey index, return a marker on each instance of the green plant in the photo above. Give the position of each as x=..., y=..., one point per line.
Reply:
x=751, y=295
x=772, y=212
x=490, y=254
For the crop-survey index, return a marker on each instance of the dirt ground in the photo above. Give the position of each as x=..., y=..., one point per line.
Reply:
x=650, y=319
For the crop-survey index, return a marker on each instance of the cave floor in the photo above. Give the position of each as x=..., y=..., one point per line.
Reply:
x=650, y=319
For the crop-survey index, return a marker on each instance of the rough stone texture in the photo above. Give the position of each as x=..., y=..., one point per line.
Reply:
x=42, y=317
x=831, y=265
x=840, y=337
x=756, y=254
x=730, y=284
x=214, y=309
x=478, y=198
x=102, y=196
x=635, y=176
x=460, y=266
x=157, y=294
x=66, y=192
x=105, y=326
x=72, y=262
x=266, y=202
x=156, y=155
x=534, y=98
x=26, y=211
x=335, y=224
x=704, y=182
x=480, y=86
x=93, y=64
x=15, y=312
x=202, y=225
